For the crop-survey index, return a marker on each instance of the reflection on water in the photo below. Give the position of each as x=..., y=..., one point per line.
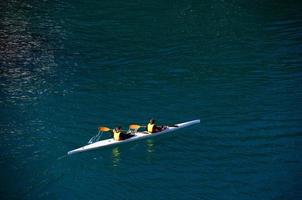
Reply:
x=27, y=51
x=150, y=146
x=150, y=150
x=116, y=153
x=116, y=156
x=30, y=39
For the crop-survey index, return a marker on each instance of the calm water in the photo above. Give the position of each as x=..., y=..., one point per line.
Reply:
x=68, y=67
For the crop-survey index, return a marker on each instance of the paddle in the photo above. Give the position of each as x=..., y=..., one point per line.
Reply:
x=96, y=137
x=136, y=126
x=99, y=135
x=104, y=129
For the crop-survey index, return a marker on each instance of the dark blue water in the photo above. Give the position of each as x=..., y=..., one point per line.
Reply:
x=68, y=67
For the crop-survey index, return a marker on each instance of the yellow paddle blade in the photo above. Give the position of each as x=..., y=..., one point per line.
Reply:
x=134, y=126
x=104, y=129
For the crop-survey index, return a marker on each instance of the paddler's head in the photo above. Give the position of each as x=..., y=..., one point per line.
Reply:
x=152, y=121
x=118, y=128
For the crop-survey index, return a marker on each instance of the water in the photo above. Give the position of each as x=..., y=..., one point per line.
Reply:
x=68, y=67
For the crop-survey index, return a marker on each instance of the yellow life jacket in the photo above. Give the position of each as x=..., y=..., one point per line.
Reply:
x=116, y=135
x=150, y=128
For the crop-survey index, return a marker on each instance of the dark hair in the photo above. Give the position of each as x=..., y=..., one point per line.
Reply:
x=152, y=121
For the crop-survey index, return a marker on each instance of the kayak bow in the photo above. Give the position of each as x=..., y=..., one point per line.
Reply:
x=138, y=136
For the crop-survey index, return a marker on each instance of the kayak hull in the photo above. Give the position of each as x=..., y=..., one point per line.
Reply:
x=138, y=136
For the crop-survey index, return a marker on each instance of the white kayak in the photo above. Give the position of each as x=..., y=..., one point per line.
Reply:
x=137, y=136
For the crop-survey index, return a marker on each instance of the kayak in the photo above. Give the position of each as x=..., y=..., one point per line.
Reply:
x=138, y=136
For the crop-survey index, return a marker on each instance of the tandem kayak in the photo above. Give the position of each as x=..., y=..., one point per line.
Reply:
x=138, y=136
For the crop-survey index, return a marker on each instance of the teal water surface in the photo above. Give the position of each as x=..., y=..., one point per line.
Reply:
x=68, y=67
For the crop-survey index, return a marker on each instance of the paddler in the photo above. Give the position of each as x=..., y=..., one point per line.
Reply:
x=152, y=128
x=119, y=134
